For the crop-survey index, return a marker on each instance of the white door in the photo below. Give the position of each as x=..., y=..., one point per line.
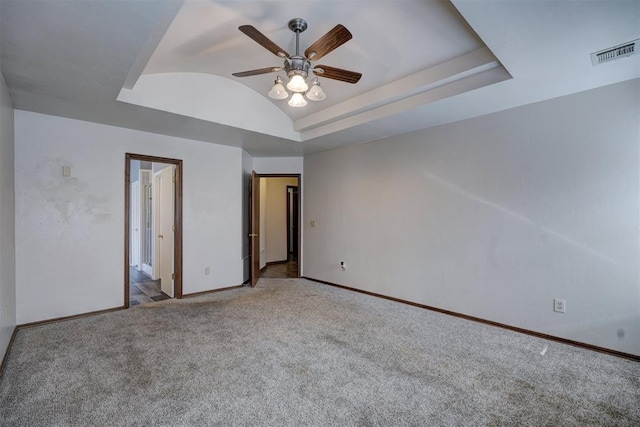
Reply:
x=134, y=252
x=164, y=229
x=147, y=239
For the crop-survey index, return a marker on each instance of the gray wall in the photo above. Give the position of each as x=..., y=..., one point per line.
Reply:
x=7, y=221
x=494, y=217
x=80, y=218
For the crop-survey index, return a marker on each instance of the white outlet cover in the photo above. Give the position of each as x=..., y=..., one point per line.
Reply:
x=559, y=305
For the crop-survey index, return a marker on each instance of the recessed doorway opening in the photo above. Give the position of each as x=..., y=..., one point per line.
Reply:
x=153, y=229
x=275, y=224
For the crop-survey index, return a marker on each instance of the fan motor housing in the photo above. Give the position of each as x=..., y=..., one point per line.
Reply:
x=297, y=65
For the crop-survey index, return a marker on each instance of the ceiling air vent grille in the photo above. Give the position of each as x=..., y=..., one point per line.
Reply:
x=616, y=52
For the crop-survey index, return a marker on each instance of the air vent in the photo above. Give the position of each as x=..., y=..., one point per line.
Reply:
x=616, y=52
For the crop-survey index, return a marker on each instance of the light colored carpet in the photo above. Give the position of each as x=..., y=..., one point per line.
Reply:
x=293, y=352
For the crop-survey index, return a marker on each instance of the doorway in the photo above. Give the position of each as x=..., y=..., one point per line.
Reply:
x=275, y=226
x=153, y=229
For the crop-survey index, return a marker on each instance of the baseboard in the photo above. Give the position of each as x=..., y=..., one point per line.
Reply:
x=212, y=291
x=75, y=316
x=8, y=349
x=489, y=322
x=263, y=269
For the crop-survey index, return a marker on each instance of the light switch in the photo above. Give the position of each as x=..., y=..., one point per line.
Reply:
x=66, y=171
x=312, y=224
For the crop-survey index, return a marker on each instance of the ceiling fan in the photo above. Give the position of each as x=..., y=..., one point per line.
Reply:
x=297, y=66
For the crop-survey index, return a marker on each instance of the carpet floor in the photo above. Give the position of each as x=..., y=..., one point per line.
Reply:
x=292, y=352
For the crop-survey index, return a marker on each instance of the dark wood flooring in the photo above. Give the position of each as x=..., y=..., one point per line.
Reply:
x=281, y=271
x=142, y=289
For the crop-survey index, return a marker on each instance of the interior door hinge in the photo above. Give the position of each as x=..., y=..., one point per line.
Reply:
x=173, y=228
x=173, y=276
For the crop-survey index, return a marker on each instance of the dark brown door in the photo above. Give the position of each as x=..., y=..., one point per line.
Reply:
x=296, y=233
x=292, y=221
x=255, y=229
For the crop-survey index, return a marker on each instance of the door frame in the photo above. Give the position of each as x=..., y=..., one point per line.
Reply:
x=289, y=217
x=254, y=236
x=254, y=229
x=177, y=219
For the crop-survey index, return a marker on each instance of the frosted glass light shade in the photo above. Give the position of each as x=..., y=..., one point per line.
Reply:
x=316, y=93
x=297, y=84
x=297, y=100
x=278, y=91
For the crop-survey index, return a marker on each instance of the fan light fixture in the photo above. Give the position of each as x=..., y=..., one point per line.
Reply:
x=300, y=89
x=316, y=93
x=297, y=84
x=297, y=67
x=278, y=91
x=297, y=100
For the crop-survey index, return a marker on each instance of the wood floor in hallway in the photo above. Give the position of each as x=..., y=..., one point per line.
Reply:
x=142, y=289
x=281, y=270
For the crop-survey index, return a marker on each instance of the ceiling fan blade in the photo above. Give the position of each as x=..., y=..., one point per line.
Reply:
x=256, y=72
x=337, y=74
x=263, y=40
x=325, y=44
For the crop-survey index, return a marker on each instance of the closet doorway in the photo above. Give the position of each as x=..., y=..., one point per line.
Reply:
x=153, y=229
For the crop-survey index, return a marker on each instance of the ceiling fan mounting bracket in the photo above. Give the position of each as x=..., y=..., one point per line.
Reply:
x=297, y=25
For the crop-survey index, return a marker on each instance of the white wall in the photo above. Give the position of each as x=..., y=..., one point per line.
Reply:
x=157, y=167
x=70, y=231
x=278, y=165
x=276, y=218
x=7, y=221
x=494, y=216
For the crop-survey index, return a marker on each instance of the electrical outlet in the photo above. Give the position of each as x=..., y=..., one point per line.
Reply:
x=559, y=305
x=312, y=224
x=343, y=265
x=207, y=271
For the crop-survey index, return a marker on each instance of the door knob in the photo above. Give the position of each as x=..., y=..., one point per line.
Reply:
x=253, y=235
x=161, y=236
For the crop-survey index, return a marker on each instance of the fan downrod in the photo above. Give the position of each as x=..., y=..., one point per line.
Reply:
x=297, y=25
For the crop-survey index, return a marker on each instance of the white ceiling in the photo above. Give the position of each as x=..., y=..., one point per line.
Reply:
x=424, y=63
x=204, y=38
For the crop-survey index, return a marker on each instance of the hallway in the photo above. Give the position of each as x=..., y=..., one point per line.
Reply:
x=142, y=289
x=281, y=270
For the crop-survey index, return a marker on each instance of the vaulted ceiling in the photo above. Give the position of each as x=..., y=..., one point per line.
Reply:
x=165, y=66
